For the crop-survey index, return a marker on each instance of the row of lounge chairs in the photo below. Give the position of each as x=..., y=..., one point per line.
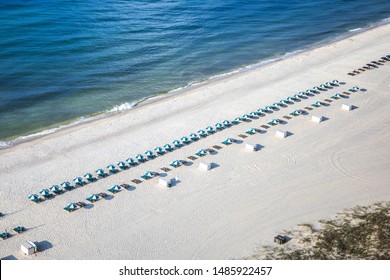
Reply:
x=369, y=66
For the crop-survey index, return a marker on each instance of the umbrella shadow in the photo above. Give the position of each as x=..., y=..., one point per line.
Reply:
x=89, y=206
x=109, y=197
x=238, y=141
x=162, y=174
x=129, y=188
x=188, y=163
x=9, y=258
x=43, y=245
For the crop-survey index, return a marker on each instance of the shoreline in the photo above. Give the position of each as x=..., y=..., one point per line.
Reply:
x=127, y=107
x=246, y=199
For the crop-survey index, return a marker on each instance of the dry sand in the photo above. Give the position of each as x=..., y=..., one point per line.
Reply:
x=242, y=202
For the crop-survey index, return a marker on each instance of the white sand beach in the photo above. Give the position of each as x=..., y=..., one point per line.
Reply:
x=246, y=199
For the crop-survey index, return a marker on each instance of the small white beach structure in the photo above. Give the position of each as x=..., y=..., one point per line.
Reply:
x=165, y=182
x=317, y=119
x=205, y=166
x=281, y=134
x=29, y=248
x=251, y=147
x=346, y=107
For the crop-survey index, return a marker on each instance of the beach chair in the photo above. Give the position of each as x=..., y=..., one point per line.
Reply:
x=165, y=169
x=346, y=93
x=210, y=151
x=242, y=136
x=217, y=147
x=136, y=181
x=192, y=158
x=351, y=74
x=328, y=100
x=102, y=195
x=19, y=229
x=81, y=204
x=264, y=126
x=286, y=117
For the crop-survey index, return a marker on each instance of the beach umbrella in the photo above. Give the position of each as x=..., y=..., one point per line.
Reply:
x=93, y=197
x=112, y=168
x=276, y=104
x=176, y=143
x=228, y=141
x=71, y=206
x=148, y=174
x=121, y=164
x=295, y=113
x=33, y=197
x=328, y=84
x=78, y=180
x=300, y=94
x=185, y=140
x=335, y=82
x=131, y=161
x=260, y=111
x=175, y=163
x=88, y=176
x=237, y=120
x=65, y=185
x=209, y=129
x=353, y=89
x=226, y=123
x=100, y=172
x=167, y=147
x=193, y=136
x=252, y=114
x=44, y=192
x=290, y=99
x=55, y=189
x=296, y=96
x=252, y=131
x=140, y=157
x=159, y=150
x=245, y=116
x=115, y=188
x=202, y=133
x=337, y=95
x=322, y=86
x=149, y=154
x=202, y=152
x=218, y=126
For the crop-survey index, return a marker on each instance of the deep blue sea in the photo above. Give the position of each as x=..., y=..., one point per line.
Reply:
x=64, y=60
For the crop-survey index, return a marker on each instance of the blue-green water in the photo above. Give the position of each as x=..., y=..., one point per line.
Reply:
x=64, y=60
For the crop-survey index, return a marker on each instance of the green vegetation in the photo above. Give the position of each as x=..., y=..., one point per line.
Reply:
x=359, y=233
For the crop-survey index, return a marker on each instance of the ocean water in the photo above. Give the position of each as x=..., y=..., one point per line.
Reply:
x=64, y=61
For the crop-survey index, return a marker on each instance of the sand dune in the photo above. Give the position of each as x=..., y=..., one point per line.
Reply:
x=246, y=199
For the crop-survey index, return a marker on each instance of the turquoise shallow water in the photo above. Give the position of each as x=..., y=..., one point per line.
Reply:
x=64, y=60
